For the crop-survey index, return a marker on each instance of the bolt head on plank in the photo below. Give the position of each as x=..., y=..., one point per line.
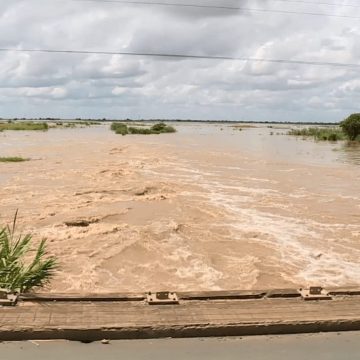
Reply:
x=8, y=298
x=162, y=298
x=315, y=293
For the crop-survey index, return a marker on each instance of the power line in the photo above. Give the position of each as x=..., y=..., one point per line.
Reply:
x=316, y=3
x=186, y=56
x=218, y=7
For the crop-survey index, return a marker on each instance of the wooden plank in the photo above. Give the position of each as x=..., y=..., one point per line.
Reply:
x=91, y=320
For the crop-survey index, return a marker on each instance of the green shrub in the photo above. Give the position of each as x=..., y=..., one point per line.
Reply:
x=140, y=131
x=333, y=137
x=351, y=126
x=18, y=271
x=161, y=128
x=119, y=128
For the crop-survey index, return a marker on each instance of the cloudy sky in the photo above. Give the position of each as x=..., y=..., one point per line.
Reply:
x=113, y=86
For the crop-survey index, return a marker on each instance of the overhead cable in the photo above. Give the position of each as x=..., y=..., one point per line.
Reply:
x=316, y=3
x=220, y=7
x=185, y=56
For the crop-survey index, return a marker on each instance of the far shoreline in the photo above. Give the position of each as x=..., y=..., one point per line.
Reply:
x=105, y=120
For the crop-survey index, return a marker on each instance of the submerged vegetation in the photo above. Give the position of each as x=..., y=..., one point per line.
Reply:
x=12, y=159
x=73, y=124
x=44, y=126
x=320, y=133
x=243, y=126
x=18, y=271
x=159, y=128
x=348, y=129
x=24, y=125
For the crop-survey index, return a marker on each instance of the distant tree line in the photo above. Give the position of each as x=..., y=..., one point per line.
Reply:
x=350, y=125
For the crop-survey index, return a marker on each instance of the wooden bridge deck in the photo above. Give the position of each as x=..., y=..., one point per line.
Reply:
x=117, y=316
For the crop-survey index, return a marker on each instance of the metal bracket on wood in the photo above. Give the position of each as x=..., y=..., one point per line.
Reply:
x=162, y=298
x=7, y=298
x=315, y=293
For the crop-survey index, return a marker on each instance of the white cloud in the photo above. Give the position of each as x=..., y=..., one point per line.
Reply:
x=119, y=86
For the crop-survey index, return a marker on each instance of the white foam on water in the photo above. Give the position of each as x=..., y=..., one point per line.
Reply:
x=307, y=255
x=190, y=265
x=330, y=270
x=298, y=242
x=241, y=270
x=261, y=180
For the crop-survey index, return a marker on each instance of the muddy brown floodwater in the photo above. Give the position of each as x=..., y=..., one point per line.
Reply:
x=207, y=208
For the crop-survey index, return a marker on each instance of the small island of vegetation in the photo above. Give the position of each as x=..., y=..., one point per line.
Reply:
x=348, y=129
x=21, y=125
x=12, y=159
x=24, y=125
x=124, y=129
